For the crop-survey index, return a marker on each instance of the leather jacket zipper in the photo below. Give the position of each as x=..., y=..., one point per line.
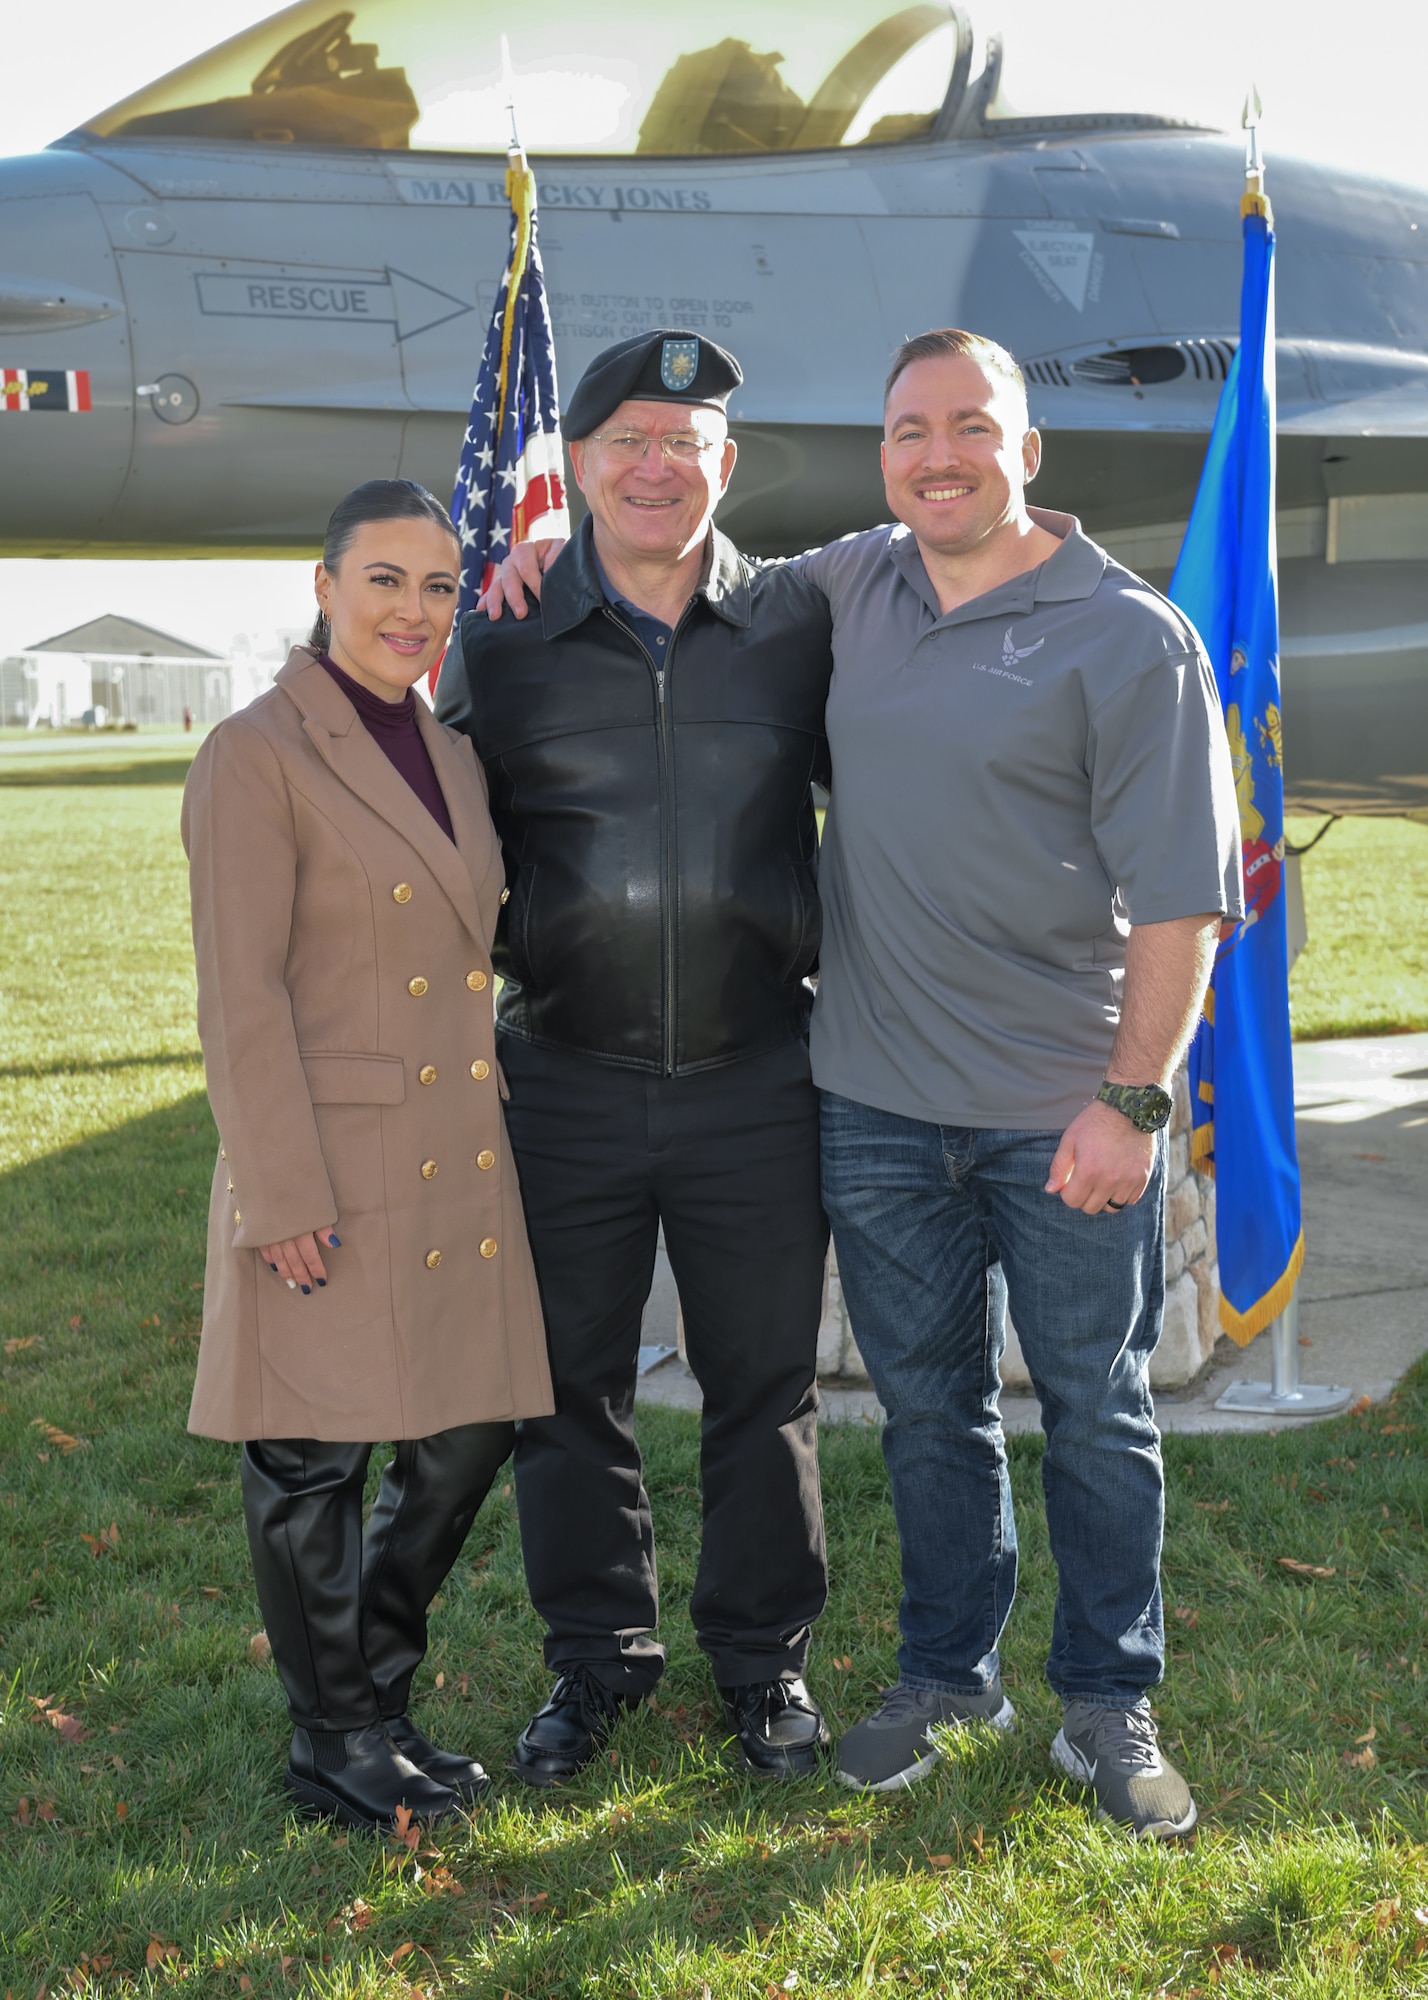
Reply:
x=671, y=870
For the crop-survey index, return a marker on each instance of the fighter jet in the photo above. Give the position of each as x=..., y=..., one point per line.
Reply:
x=268, y=275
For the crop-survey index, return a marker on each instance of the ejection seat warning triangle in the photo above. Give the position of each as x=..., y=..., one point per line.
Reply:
x=1059, y=260
x=328, y=298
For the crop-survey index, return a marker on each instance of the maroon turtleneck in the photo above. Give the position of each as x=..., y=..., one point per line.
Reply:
x=392, y=726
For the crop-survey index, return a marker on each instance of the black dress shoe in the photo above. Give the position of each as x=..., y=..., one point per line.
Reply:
x=561, y=1738
x=360, y=1777
x=462, y=1775
x=779, y=1726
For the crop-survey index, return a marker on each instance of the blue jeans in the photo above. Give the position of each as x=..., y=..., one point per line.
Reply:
x=939, y=1230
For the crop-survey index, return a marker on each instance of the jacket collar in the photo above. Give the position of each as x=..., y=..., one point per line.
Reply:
x=335, y=730
x=572, y=589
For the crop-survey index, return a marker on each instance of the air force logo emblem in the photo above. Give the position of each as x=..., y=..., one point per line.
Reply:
x=678, y=363
x=1013, y=654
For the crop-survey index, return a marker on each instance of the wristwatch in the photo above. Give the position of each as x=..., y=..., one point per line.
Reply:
x=1145, y=1104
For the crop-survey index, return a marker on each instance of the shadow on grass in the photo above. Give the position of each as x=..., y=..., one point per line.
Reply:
x=136, y=770
x=142, y=1824
x=74, y=1066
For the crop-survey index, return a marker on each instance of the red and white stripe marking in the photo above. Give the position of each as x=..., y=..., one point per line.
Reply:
x=15, y=387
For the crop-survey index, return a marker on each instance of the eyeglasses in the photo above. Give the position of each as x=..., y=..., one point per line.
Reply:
x=629, y=447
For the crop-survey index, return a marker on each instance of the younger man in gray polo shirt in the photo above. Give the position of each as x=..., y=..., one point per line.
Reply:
x=1032, y=842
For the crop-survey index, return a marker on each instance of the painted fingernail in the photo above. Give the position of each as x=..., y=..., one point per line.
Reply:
x=335, y=1242
x=307, y=1291
x=272, y=1267
x=321, y=1282
x=292, y=1282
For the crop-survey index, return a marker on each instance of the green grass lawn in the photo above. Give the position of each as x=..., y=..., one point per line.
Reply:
x=144, y=1839
x=1365, y=968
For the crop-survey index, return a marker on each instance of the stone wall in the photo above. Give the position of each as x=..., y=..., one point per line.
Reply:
x=1192, y=1282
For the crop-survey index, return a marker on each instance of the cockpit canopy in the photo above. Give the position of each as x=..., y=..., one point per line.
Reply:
x=427, y=75
x=636, y=77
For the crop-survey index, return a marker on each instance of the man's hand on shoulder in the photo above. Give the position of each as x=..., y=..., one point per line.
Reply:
x=1103, y=1161
x=520, y=572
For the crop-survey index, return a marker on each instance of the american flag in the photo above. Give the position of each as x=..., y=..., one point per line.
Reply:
x=510, y=487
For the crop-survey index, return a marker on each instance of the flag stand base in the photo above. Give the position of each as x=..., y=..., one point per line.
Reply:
x=1286, y=1395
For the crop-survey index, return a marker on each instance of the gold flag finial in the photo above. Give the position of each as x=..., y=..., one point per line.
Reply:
x=1254, y=200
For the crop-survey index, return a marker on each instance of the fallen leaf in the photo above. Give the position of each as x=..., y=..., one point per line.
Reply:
x=245, y=1984
x=1358, y=1406
x=1304, y=1569
x=441, y=1680
x=18, y=1345
x=105, y=1542
x=404, y=1833
x=158, y=1952
x=939, y=1860
x=401, y=1951
x=1212, y=1506
x=55, y=1436
x=121, y=1811
x=209, y=1590
x=1187, y=1616
x=1368, y=1735
x=1361, y=1760
x=358, y=1914
x=260, y=1649
x=1056, y=1953
x=69, y=1726
x=1386, y=1912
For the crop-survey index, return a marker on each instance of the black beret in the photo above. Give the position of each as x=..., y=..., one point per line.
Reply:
x=668, y=366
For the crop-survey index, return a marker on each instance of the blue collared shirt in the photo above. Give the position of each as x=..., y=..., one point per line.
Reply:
x=653, y=635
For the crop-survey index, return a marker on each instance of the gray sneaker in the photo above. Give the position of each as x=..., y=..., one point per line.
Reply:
x=894, y=1746
x=1117, y=1753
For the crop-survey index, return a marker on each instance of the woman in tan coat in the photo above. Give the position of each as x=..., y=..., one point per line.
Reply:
x=368, y=1274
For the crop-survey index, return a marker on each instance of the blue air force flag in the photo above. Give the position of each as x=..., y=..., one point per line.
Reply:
x=1241, y=1079
x=510, y=486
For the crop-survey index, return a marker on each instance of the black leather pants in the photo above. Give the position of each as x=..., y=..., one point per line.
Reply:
x=346, y=1612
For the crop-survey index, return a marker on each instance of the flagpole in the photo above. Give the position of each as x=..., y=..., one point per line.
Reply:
x=1283, y=1394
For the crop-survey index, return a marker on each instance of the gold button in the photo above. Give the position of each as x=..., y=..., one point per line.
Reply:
x=505, y=895
x=230, y=1187
x=238, y=1217
x=480, y=1069
x=488, y=1246
x=476, y=981
x=221, y=1154
x=416, y=987
x=433, y=1258
x=427, y=1073
x=485, y=1159
x=428, y=1170
x=402, y=893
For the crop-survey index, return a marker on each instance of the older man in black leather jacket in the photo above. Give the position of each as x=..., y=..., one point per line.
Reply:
x=650, y=739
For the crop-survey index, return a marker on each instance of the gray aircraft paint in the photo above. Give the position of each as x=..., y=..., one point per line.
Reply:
x=302, y=319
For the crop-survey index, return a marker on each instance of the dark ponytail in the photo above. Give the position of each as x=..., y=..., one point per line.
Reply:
x=373, y=500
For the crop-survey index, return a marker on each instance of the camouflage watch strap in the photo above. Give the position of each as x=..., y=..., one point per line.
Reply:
x=1145, y=1104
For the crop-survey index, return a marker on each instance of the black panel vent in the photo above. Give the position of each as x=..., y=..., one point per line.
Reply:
x=1141, y=367
x=1050, y=374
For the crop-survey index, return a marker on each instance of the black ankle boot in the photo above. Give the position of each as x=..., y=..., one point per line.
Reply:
x=360, y=1777
x=561, y=1738
x=462, y=1775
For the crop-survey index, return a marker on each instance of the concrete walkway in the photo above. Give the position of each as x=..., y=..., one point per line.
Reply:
x=1362, y=1120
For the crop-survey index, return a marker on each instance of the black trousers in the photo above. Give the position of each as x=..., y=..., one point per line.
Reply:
x=345, y=1610
x=727, y=1160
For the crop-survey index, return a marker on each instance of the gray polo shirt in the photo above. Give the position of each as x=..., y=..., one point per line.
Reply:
x=1014, y=785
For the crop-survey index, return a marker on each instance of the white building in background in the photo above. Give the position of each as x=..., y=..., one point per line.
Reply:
x=114, y=670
